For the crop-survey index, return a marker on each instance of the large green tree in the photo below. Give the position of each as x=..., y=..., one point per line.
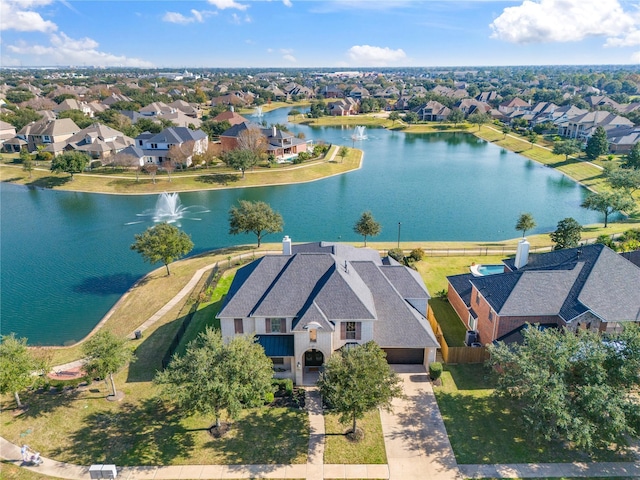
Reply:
x=254, y=217
x=573, y=387
x=367, y=226
x=632, y=159
x=162, y=243
x=17, y=365
x=525, y=222
x=608, y=203
x=566, y=148
x=456, y=116
x=358, y=379
x=70, y=162
x=240, y=159
x=214, y=376
x=567, y=234
x=106, y=355
x=479, y=118
x=627, y=179
x=79, y=118
x=597, y=144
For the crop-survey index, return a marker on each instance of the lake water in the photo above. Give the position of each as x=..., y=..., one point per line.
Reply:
x=65, y=257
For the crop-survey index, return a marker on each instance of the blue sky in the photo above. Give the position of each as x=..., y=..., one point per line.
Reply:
x=318, y=33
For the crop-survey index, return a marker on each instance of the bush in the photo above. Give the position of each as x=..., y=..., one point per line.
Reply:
x=269, y=397
x=283, y=385
x=435, y=370
x=416, y=254
x=397, y=254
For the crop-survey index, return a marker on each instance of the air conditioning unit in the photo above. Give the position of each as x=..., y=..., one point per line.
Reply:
x=471, y=337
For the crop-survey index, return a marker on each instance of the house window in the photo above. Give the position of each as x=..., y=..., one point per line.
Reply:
x=477, y=299
x=277, y=360
x=276, y=325
x=46, y=139
x=350, y=330
x=313, y=335
x=154, y=145
x=237, y=325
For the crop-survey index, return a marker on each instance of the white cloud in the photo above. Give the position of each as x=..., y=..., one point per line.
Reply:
x=238, y=20
x=635, y=58
x=287, y=3
x=629, y=40
x=537, y=21
x=18, y=15
x=64, y=50
x=368, y=55
x=289, y=58
x=269, y=50
x=196, y=16
x=223, y=4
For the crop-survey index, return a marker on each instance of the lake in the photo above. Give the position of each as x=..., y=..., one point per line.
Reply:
x=65, y=257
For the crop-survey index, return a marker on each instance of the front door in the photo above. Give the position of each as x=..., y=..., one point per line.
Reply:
x=313, y=358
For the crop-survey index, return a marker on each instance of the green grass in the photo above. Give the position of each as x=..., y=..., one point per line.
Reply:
x=434, y=270
x=484, y=429
x=339, y=449
x=452, y=327
x=81, y=427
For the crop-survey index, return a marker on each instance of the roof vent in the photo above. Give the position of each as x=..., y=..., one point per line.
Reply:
x=522, y=253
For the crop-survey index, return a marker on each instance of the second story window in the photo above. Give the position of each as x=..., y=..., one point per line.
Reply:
x=237, y=325
x=350, y=330
x=313, y=335
x=276, y=325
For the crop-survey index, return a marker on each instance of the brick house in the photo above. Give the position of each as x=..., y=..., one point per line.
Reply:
x=589, y=287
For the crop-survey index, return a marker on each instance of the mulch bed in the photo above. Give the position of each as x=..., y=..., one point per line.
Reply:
x=290, y=401
x=69, y=374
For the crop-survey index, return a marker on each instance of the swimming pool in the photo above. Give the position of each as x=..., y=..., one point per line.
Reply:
x=483, y=270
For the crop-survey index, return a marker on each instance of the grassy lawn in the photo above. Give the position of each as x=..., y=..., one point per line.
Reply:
x=434, y=270
x=339, y=449
x=364, y=120
x=219, y=177
x=452, y=327
x=81, y=427
x=483, y=428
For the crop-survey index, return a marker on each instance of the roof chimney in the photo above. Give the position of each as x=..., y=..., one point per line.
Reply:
x=522, y=253
x=286, y=245
x=273, y=131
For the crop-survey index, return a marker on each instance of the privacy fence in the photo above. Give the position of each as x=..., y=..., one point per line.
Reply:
x=456, y=354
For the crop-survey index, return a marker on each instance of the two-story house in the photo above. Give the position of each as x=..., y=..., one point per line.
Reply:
x=282, y=145
x=153, y=148
x=45, y=132
x=590, y=287
x=316, y=298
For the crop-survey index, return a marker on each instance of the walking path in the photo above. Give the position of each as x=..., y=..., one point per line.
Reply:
x=415, y=440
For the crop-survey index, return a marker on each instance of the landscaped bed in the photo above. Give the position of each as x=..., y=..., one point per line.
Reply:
x=484, y=430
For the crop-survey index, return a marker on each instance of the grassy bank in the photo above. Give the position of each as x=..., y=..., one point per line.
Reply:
x=215, y=178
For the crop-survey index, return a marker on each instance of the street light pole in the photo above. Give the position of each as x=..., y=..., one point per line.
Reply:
x=399, y=224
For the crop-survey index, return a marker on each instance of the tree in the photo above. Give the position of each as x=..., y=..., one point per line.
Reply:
x=79, y=118
x=597, y=145
x=240, y=159
x=394, y=117
x=213, y=376
x=608, y=203
x=18, y=95
x=17, y=365
x=253, y=139
x=632, y=159
x=162, y=242
x=456, y=116
x=525, y=222
x=356, y=380
x=254, y=217
x=180, y=154
x=148, y=125
x=572, y=387
x=627, y=179
x=566, y=148
x=70, y=162
x=343, y=152
x=27, y=165
x=411, y=117
x=294, y=113
x=106, y=355
x=367, y=226
x=567, y=234
x=505, y=131
x=533, y=138
x=479, y=118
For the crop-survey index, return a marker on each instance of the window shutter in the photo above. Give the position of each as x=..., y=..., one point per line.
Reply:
x=267, y=327
x=284, y=325
x=358, y=330
x=343, y=331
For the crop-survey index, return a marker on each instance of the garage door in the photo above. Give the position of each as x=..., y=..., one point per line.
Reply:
x=404, y=355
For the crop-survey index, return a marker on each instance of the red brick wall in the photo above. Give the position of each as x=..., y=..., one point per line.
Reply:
x=458, y=305
x=228, y=143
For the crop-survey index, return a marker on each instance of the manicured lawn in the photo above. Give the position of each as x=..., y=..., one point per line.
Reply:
x=434, y=270
x=339, y=449
x=81, y=427
x=483, y=428
x=452, y=327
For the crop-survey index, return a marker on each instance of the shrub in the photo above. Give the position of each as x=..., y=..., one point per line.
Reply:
x=416, y=254
x=269, y=397
x=397, y=254
x=283, y=385
x=435, y=370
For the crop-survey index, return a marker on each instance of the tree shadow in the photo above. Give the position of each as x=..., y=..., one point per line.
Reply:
x=218, y=178
x=49, y=182
x=471, y=376
x=44, y=401
x=106, y=284
x=265, y=436
x=12, y=179
x=145, y=434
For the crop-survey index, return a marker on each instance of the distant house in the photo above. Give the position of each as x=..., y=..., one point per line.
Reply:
x=45, y=132
x=230, y=116
x=237, y=99
x=331, y=91
x=88, y=108
x=514, y=105
x=282, y=145
x=7, y=132
x=343, y=107
x=359, y=93
x=189, y=109
x=469, y=106
x=98, y=141
x=114, y=98
x=316, y=298
x=621, y=140
x=154, y=149
x=433, y=111
x=581, y=127
x=155, y=109
x=590, y=287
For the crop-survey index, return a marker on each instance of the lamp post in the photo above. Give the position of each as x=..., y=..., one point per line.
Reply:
x=399, y=224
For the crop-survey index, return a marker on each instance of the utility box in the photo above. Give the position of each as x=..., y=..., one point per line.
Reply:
x=95, y=471
x=138, y=334
x=109, y=471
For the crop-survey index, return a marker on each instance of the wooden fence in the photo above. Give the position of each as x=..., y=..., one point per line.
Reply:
x=455, y=354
